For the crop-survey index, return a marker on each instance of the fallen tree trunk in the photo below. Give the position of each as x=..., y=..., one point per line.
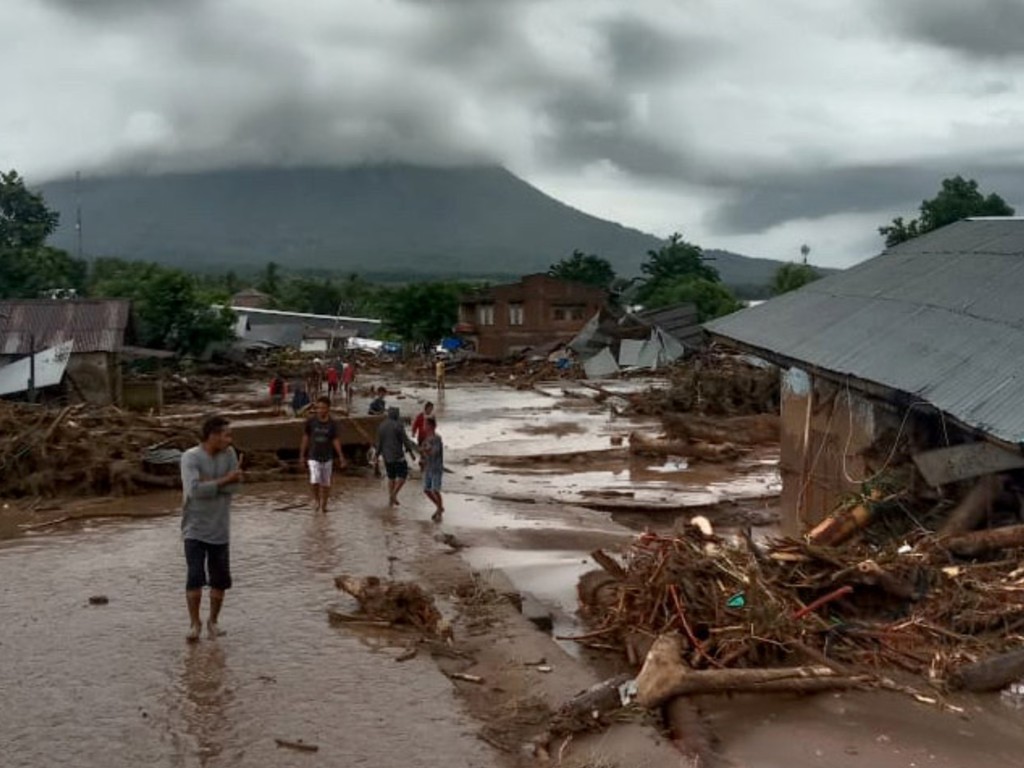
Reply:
x=973, y=508
x=981, y=542
x=610, y=564
x=840, y=526
x=584, y=709
x=990, y=674
x=664, y=676
x=653, y=446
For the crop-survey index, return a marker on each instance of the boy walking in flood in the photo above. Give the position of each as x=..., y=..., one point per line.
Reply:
x=432, y=451
x=321, y=444
x=210, y=475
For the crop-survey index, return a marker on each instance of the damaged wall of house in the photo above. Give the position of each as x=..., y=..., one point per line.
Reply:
x=827, y=432
x=94, y=377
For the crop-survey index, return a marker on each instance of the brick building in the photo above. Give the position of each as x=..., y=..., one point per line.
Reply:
x=504, y=319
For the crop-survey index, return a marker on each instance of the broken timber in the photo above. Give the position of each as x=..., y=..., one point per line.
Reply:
x=962, y=462
x=664, y=676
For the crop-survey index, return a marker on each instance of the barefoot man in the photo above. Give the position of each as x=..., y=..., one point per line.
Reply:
x=209, y=476
x=320, y=446
x=432, y=451
x=392, y=443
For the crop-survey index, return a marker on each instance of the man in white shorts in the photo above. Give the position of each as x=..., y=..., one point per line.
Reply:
x=320, y=446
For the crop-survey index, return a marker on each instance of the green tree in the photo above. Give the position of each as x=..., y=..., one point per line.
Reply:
x=791, y=276
x=28, y=267
x=171, y=311
x=25, y=221
x=711, y=298
x=674, y=261
x=270, y=281
x=959, y=198
x=421, y=313
x=584, y=268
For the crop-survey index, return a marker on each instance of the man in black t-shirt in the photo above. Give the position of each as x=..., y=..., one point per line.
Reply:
x=320, y=446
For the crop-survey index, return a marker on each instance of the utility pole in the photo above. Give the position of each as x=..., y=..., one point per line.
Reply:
x=31, y=367
x=78, y=214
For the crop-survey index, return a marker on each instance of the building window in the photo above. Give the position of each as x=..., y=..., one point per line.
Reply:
x=485, y=314
x=515, y=314
x=571, y=312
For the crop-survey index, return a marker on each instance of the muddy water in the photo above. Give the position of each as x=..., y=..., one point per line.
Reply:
x=117, y=685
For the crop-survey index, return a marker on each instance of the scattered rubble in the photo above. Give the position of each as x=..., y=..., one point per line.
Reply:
x=714, y=384
x=916, y=605
x=394, y=603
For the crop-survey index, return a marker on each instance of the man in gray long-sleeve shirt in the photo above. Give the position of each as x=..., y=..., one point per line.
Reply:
x=392, y=443
x=209, y=476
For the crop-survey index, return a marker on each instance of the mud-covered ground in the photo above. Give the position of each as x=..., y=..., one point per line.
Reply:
x=115, y=684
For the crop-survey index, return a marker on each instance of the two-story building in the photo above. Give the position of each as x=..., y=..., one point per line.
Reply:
x=502, y=320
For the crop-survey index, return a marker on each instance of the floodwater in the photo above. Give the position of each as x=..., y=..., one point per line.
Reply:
x=116, y=684
x=108, y=685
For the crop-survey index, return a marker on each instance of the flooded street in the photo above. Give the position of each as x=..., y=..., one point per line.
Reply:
x=116, y=684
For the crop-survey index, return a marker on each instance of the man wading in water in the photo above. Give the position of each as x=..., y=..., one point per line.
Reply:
x=392, y=443
x=210, y=475
x=320, y=444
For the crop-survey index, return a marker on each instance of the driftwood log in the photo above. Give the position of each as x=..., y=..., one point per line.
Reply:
x=653, y=446
x=585, y=709
x=974, y=508
x=664, y=676
x=990, y=674
x=394, y=602
x=981, y=542
x=840, y=526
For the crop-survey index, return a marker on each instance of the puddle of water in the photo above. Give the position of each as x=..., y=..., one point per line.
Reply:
x=117, y=684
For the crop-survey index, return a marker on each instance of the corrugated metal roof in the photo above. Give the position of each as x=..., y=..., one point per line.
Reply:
x=679, y=320
x=940, y=317
x=96, y=325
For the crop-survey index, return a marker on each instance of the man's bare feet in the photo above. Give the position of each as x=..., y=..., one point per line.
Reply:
x=193, y=633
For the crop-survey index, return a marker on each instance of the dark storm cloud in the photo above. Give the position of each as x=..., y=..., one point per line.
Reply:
x=641, y=51
x=106, y=9
x=981, y=29
x=758, y=204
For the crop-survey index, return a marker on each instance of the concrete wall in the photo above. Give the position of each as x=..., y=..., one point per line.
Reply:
x=826, y=428
x=147, y=395
x=95, y=377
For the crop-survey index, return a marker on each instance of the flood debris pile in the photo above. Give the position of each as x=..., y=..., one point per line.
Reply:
x=715, y=384
x=390, y=603
x=705, y=438
x=863, y=612
x=80, y=450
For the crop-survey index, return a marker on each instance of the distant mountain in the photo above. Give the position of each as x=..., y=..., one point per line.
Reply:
x=397, y=219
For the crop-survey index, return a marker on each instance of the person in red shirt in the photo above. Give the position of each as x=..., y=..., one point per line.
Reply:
x=348, y=377
x=332, y=382
x=421, y=430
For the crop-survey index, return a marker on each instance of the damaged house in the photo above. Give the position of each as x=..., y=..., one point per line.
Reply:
x=502, y=320
x=911, y=363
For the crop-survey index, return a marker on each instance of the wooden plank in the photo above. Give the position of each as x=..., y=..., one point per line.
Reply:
x=962, y=462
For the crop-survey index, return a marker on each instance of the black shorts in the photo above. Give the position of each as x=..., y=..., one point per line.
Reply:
x=397, y=470
x=208, y=564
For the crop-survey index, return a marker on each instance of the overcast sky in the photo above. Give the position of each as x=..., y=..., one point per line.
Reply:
x=744, y=124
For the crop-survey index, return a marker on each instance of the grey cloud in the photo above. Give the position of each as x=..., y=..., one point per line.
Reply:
x=641, y=52
x=106, y=9
x=983, y=29
x=759, y=203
